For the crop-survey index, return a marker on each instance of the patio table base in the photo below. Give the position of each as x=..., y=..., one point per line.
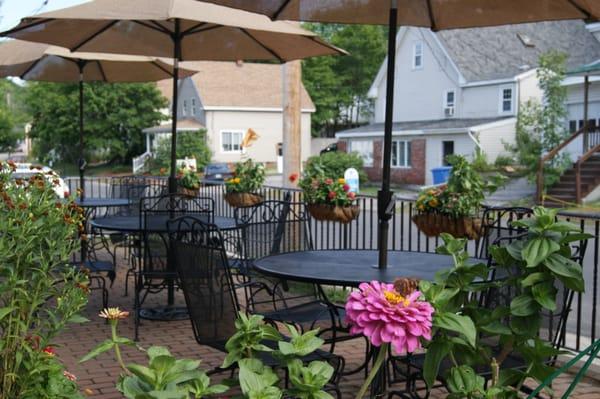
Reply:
x=166, y=313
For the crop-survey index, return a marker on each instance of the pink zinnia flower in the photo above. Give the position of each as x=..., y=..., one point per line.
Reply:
x=69, y=376
x=346, y=187
x=384, y=316
x=331, y=195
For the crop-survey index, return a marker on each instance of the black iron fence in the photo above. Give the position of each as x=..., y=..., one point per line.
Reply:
x=361, y=233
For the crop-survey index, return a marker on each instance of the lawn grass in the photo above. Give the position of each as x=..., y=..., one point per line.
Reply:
x=66, y=169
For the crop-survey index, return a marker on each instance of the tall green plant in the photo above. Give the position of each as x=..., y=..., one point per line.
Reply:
x=472, y=336
x=542, y=126
x=39, y=292
x=189, y=145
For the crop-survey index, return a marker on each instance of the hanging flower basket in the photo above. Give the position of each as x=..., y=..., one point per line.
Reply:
x=190, y=192
x=334, y=213
x=434, y=224
x=238, y=200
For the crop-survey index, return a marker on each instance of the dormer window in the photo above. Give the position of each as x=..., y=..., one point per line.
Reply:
x=184, y=108
x=418, y=55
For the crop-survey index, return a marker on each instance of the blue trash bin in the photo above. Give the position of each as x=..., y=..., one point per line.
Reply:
x=441, y=174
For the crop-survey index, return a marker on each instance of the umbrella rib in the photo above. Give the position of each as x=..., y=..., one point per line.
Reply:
x=193, y=28
x=273, y=53
x=580, y=9
x=200, y=30
x=160, y=28
x=431, y=16
x=165, y=70
x=30, y=68
x=21, y=28
x=101, y=68
x=281, y=9
x=94, y=35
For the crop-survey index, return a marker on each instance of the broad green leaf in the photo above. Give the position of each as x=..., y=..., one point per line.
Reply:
x=5, y=311
x=538, y=249
x=568, y=271
x=496, y=328
x=545, y=295
x=155, y=351
x=534, y=278
x=101, y=348
x=436, y=352
x=457, y=323
x=523, y=305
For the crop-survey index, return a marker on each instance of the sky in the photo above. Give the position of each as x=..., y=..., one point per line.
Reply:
x=12, y=11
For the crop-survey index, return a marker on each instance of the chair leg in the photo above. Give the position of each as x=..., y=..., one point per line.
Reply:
x=136, y=307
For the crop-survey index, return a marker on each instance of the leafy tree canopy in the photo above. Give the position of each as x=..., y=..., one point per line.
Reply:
x=189, y=145
x=339, y=85
x=114, y=116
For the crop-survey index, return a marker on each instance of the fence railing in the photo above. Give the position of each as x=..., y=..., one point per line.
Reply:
x=361, y=233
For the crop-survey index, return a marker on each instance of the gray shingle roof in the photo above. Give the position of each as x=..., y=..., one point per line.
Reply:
x=451, y=123
x=497, y=52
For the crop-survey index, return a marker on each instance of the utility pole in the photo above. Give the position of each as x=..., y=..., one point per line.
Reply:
x=292, y=137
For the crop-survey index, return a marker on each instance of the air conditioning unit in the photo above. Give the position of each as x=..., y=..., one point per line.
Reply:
x=449, y=111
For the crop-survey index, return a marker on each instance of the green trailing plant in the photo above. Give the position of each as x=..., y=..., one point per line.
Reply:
x=248, y=177
x=472, y=336
x=188, y=178
x=165, y=377
x=40, y=293
x=321, y=187
x=464, y=193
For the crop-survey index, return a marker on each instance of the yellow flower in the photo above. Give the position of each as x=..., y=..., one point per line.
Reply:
x=113, y=314
x=433, y=203
x=236, y=180
x=421, y=207
x=431, y=192
x=341, y=180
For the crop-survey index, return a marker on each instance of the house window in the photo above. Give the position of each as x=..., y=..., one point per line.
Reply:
x=449, y=102
x=506, y=100
x=418, y=55
x=401, y=157
x=231, y=141
x=364, y=148
x=193, y=101
x=184, y=108
x=447, y=150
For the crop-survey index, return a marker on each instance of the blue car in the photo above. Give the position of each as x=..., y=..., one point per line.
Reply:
x=216, y=173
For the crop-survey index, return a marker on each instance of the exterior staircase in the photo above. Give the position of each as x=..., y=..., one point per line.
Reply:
x=565, y=191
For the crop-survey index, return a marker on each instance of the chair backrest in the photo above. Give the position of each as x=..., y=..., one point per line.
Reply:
x=273, y=227
x=156, y=212
x=202, y=267
x=497, y=224
x=132, y=188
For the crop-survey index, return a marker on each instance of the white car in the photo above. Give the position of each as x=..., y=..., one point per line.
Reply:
x=26, y=170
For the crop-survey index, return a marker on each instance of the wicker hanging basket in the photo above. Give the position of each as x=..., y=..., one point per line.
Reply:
x=334, y=213
x=238, y=200
x=190, y=192
x=434, y=224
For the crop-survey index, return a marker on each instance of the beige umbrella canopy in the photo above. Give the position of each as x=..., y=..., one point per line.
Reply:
x=35, y=61
x=434, y=14
x=181, y=29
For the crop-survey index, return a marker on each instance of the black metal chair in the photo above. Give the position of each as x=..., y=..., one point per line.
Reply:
x=497, y=223
x=408, y=369
x=153, y=269
x=274, y=227
x=209, y=290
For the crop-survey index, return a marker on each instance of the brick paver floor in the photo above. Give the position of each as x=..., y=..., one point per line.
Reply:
x=98, y=376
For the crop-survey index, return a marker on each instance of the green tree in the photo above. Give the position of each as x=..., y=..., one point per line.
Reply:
x=339, y=85
x=335, y=163
x=9, y=136
x=114, y=116
x=541, y=126
x=189, y=145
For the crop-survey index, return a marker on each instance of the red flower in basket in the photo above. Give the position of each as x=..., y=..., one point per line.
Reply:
x=331, y=195
x=293, y=177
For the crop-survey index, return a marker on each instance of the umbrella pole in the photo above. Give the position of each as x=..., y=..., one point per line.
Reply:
x=385, y=203
x=81, y=163
x=176, y=58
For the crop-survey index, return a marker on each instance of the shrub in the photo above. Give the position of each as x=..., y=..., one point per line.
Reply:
x=480, y=161
x=189, y=145
x=39, y=292
x=503, y=161
x=334, y=164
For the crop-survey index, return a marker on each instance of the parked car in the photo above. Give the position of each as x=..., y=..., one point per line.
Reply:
x=216, y=173
x=330, y=148
x=26, y=170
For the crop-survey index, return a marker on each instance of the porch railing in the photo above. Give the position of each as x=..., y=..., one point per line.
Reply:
x=362, y=234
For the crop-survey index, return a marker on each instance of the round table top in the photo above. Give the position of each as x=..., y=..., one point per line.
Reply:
x=351, y=267
x=102, y=202
x=155, y=223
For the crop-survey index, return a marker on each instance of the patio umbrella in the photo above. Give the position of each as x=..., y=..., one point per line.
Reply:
x=434, y=14
x=181, y=29
x=41, y=62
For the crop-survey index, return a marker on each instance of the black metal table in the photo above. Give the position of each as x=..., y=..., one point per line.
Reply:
x=158, y=224
x=349, y=268
x=153, y=223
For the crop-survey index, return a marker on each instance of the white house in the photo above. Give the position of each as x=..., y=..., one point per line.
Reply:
x=227, y=99
x=460, y=90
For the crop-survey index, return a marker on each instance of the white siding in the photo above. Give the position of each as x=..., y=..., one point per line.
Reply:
x=268, y=125
x=484, y=101
x=463, y=145
x=419, y=93
x=492, y=139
